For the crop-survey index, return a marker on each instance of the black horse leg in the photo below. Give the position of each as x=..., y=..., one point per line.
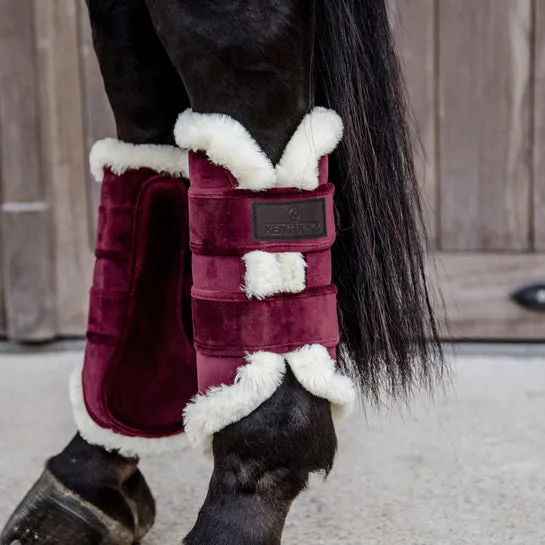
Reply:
x=252, y=61
x=144, y=89
x=87, y=495
x=261, y=464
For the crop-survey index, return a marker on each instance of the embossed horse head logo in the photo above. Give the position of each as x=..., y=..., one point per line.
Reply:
x=294, y=213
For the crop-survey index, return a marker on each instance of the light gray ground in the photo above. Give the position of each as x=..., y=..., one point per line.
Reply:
x=469, y=469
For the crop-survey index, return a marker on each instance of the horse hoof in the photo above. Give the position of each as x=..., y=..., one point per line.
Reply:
x=50, y=514
x=142, y=503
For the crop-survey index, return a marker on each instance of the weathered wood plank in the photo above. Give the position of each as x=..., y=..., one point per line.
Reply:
x=98, y=120
x=539, y=127
x=415, y=29
x=485, y=137
x=18, y=128
x=56, y=24
x=25, y=245
x=476, y=289
x=3, y=328
x=26, y=268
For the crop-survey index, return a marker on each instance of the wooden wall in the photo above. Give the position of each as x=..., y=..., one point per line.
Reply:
x=475, y=70
x=476, y=76
x=52, y=107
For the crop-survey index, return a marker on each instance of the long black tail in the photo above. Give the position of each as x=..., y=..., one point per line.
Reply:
x=388, y=331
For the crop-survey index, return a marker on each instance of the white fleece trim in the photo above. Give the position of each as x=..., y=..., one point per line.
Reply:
x=229, y=145
x=268, y=274
x=108, y=439
x=122, y=156
x=318, y=134
x=316, y=371
x=257, y=381
x=220, y=406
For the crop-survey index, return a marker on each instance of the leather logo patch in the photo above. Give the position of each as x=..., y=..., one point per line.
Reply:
x=289, y=220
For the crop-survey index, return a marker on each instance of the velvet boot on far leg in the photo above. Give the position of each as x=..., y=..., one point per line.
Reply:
x=139, y=363
x=139, y=368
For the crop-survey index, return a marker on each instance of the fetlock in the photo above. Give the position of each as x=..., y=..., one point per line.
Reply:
x=261, y=464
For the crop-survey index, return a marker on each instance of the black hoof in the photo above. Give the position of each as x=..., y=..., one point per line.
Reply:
x=142, y=503
x=50, y=514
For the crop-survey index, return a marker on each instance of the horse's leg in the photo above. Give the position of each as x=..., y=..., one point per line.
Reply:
x=252, y=61
x=261, y=464
x=88, y=495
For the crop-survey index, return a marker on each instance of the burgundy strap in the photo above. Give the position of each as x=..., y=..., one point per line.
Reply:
x=236, y=326
x=122, y=190
x=107, y=315
x=227, y=273
x=234, y=222
x=114, y=230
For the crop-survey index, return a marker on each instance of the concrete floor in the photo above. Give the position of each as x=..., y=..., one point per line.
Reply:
x=468, y=469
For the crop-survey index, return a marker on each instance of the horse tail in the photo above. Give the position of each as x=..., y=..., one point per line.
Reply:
x=389, y=335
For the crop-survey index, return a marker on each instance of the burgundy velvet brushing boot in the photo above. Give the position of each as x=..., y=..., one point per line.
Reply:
x=139, y=370
x=261, y=238
x=265, y=321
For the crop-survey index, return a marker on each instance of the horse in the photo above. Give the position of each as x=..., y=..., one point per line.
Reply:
x=261, y=297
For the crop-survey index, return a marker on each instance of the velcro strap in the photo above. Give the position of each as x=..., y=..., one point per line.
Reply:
x=234, y=222
x=232, y=325
x=114, y=229
x=107, y=313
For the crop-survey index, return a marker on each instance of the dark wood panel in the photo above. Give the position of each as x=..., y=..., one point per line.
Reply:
x=539, y=126
x=485, y=136
x=20, y=159
x=25, y=248
x=477, y=291
x=26, y=268
x=415, y=29
x=56, y=26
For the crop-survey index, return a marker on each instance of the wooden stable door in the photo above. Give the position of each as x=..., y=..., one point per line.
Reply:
x=52, y=108
x=476, y=76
